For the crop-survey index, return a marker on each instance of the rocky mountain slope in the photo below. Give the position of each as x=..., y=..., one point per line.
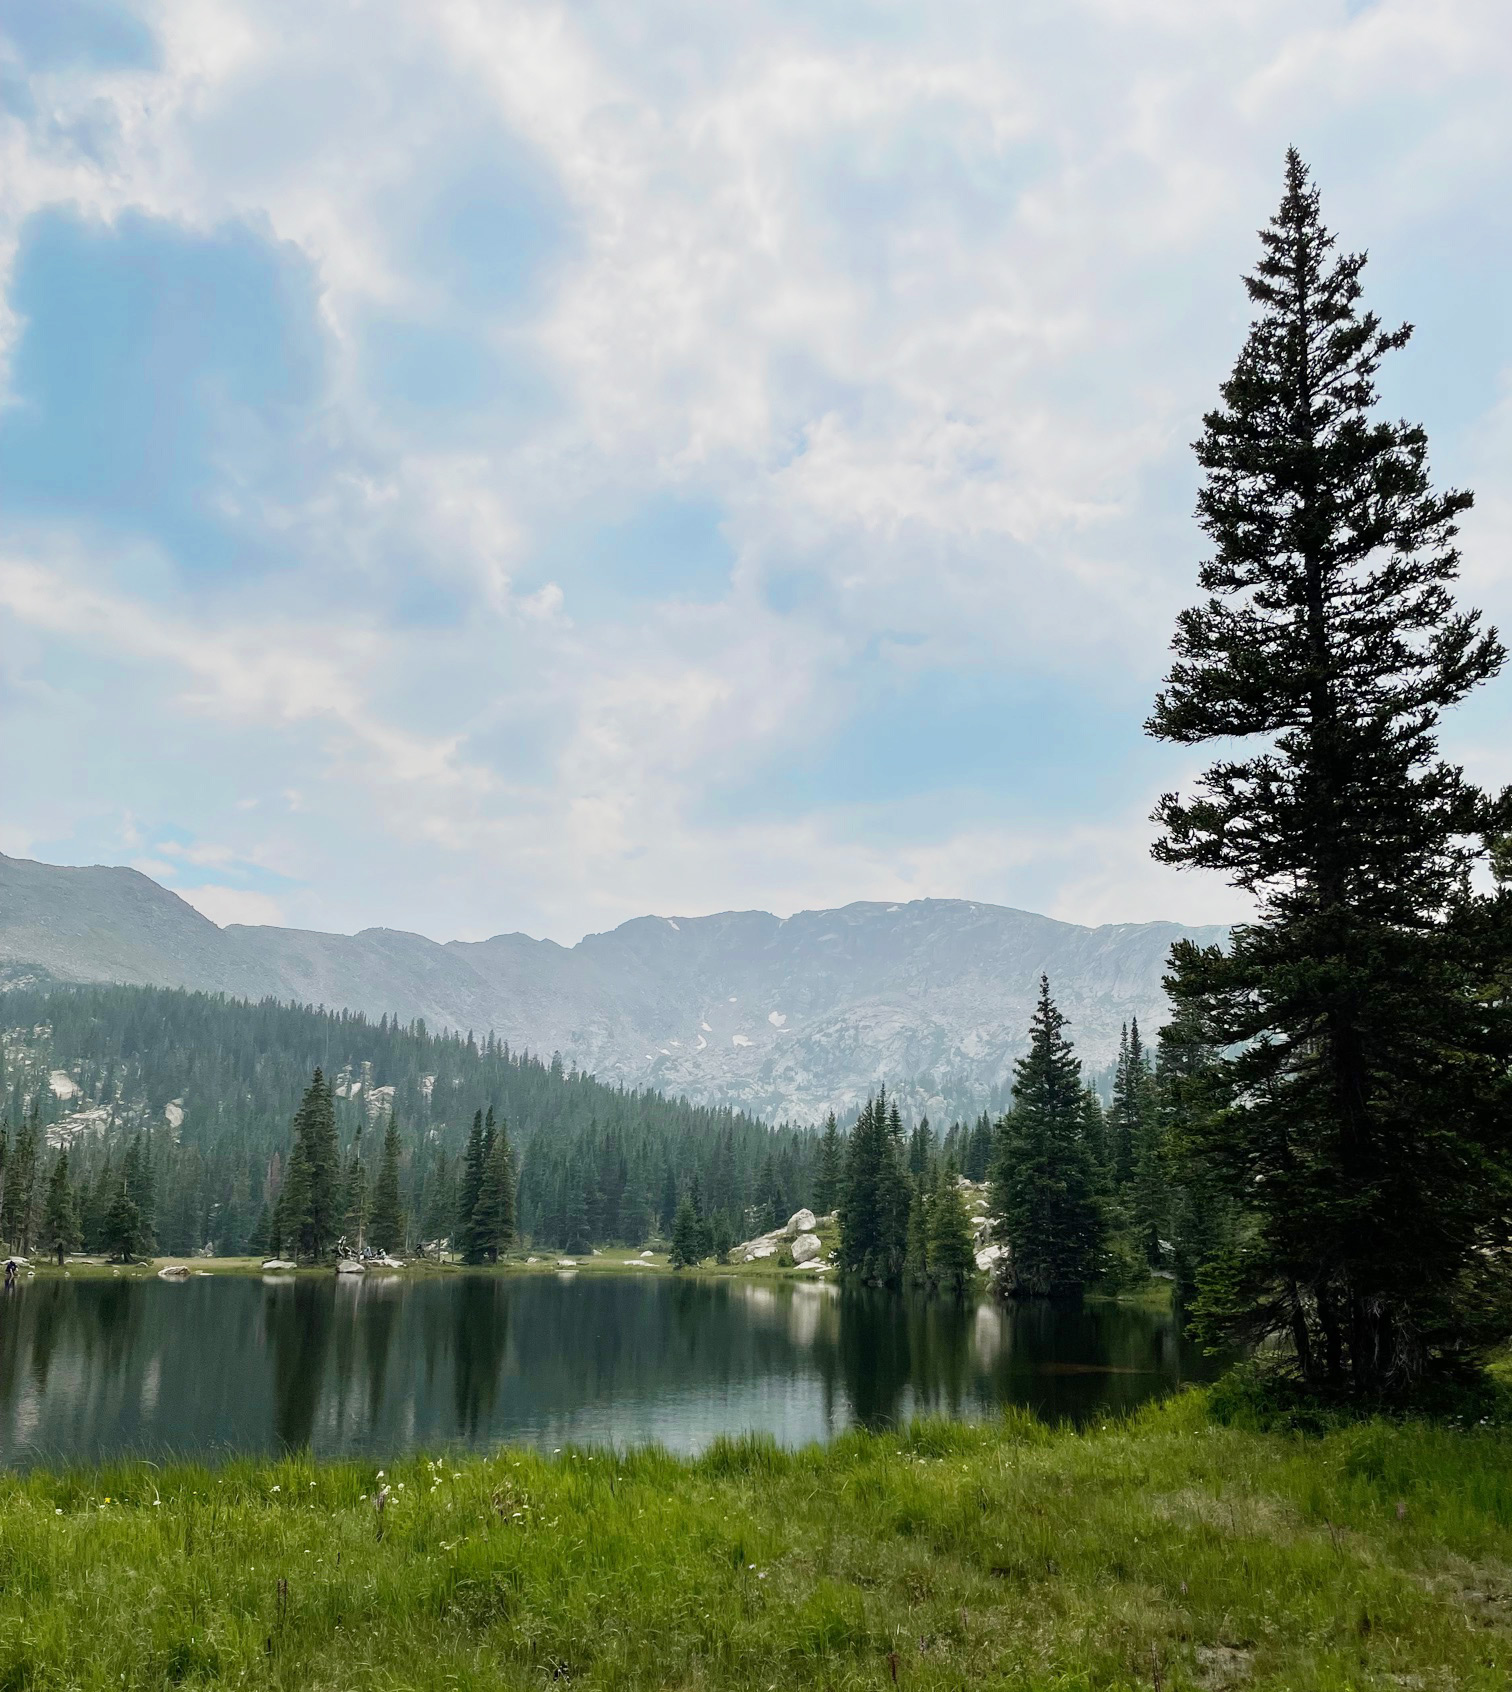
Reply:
x=786, y=1017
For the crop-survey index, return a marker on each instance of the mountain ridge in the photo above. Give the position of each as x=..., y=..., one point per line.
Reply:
x=780, y=1016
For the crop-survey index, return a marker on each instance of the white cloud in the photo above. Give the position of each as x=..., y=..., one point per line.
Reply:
x=928, y=314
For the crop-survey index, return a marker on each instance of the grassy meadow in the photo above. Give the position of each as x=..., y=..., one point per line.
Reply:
x=1165, y=1552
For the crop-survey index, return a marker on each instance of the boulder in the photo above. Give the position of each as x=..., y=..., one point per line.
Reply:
x=174, y=1272
x=759, y=1248
x=800, y=1222
x=990, y=1256
x=279, y=1263
x=350, y=1266
x=645, y=1254
x=806, y=1247
x=566, y=1263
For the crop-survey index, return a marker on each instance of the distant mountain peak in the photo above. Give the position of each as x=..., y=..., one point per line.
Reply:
x=782, y=1017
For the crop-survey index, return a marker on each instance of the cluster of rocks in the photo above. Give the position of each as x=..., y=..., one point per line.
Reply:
x=344, y=1265
x=799, y=1233
x=989, y=1253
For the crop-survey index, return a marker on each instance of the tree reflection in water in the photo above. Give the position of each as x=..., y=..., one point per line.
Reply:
x=381, y=1365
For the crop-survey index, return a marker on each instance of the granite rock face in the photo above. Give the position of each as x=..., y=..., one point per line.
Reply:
x=781, y=1017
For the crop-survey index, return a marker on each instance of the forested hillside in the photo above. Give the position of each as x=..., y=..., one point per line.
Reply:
x=191, y=1095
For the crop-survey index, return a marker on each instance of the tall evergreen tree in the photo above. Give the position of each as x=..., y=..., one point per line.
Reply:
x=829, y=1167
x=1044, y=1186
x=125, y=1235
x=1121, y=1116
x=95, y=1206
x=916, y=1246
x=1359, y=1111
x=60, y=1214
x=1204, y=1214
x=875, y=1197
x=386, y=1224
x=141, y=1183
x=575, y=1208
x=354, y=1196
x=442, y=1201
x=494, y=1217
x=20, y=1185
x=1139, y=1175
x=474, y=1161
x=261, y=1242
x=308, y=1212
x=952, y=1255
x=686, y=1236
x=979, y=1149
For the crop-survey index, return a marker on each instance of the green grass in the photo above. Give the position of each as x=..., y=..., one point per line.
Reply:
x=1165, y=1551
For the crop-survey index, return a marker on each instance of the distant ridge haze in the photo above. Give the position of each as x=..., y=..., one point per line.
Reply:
x=783, y=1017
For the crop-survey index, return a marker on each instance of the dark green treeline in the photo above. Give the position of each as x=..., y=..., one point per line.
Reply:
x=185, y=1103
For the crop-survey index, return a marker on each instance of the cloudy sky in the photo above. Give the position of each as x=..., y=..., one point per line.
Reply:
x=472, y=465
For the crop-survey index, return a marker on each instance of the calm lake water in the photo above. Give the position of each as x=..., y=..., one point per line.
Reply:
x=219, y=1365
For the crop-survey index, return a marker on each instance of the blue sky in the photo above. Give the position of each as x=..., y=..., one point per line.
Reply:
x=518, y=466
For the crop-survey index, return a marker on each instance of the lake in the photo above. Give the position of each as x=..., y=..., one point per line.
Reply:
x=384, y=1364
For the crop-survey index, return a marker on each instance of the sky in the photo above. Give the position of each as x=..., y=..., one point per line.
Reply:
x=480, y=466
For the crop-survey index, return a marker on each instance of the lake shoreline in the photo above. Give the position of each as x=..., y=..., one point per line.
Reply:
x=1157, y=1550
x=1156, y=1294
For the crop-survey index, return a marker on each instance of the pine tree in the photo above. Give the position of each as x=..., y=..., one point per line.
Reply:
x=979, y=1149
x=494, y=1217
x=952, y=1255
x=308, y=1204
x=1360, y=1111
x=60, y=1215
x=874, y=1197
x=575, y=1210
x=260, y=1243
x=20, y=1185
x=386, y=1224
x=1204, y=1216
x=1044, y=1186
x=474, y=1160
x=770, y=1198
x=141, y=1183
x=667, y=1210
x=442, y=1201
x=916, y=1249
x=722, y=1237
x=685, y=1252
x=354, y=1197
x=829, y=1164
x=124, y=1231
x=1095, y=1133
x=96, y=1205
x=1136, y=1153
x=1122, y=1114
